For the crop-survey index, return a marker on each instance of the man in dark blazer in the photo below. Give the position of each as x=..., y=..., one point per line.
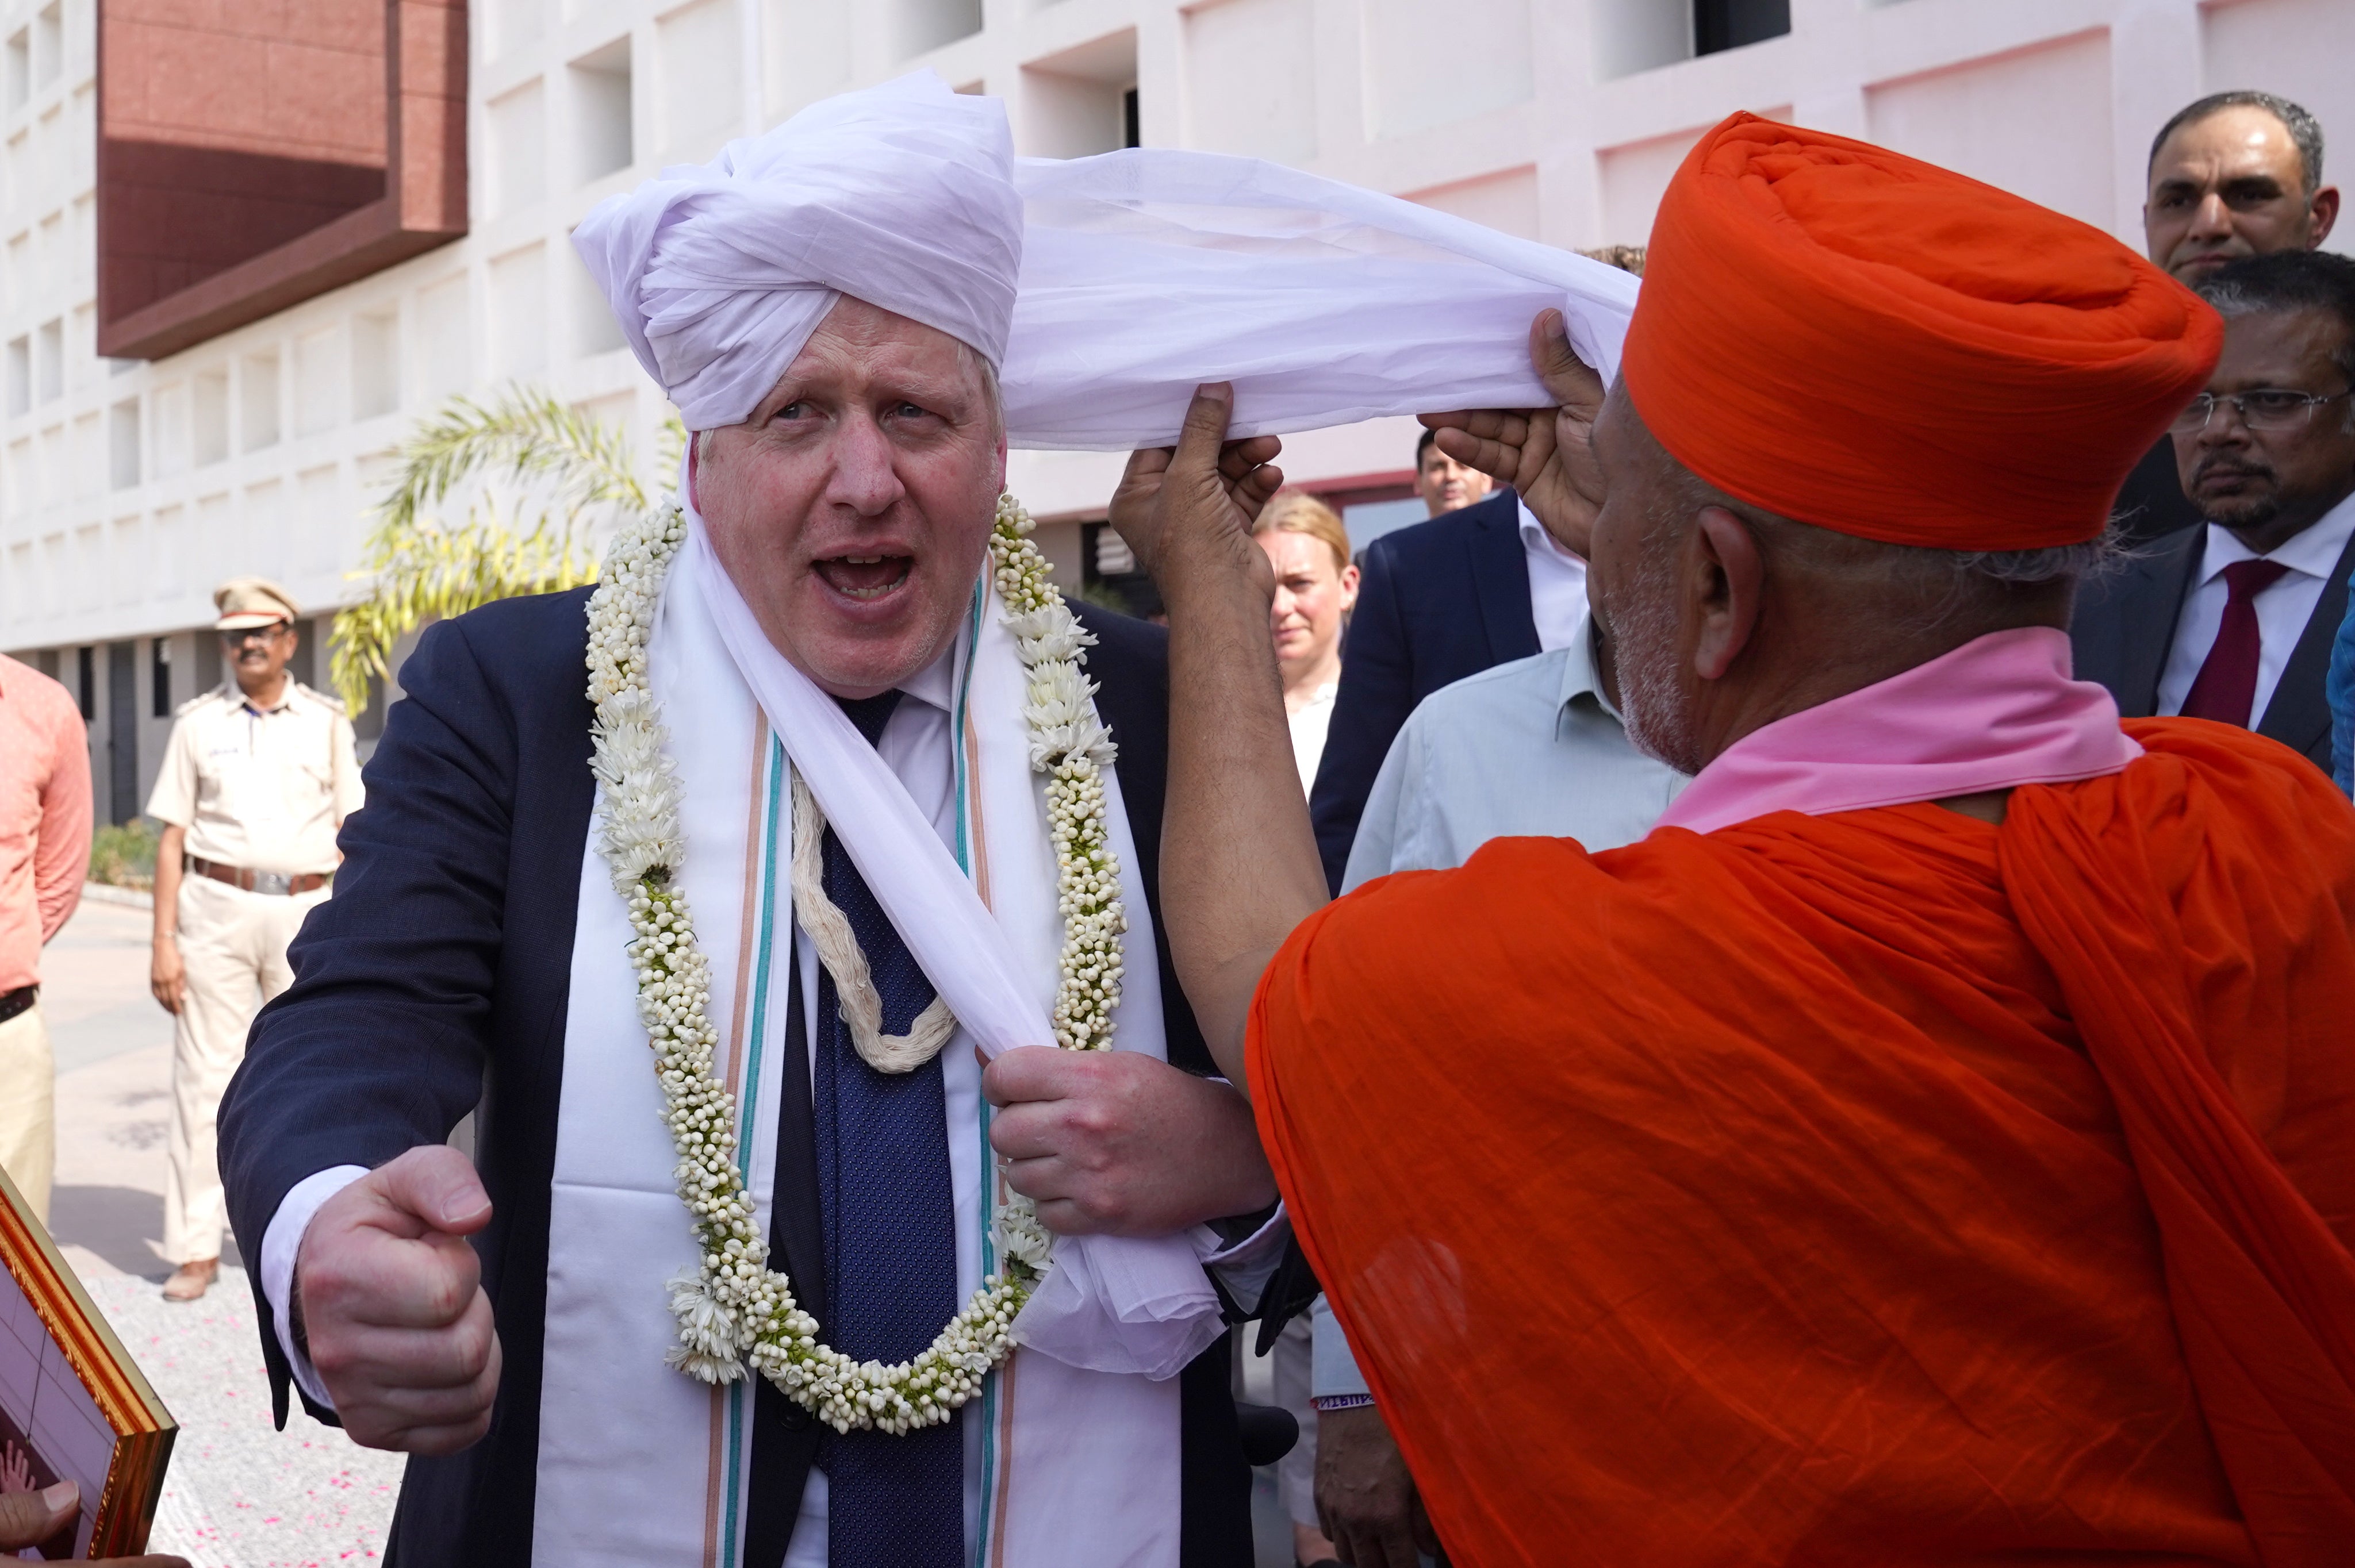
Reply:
x=2231, y=176
x=2234, y=620
x=1436, y=601
x=437, y=982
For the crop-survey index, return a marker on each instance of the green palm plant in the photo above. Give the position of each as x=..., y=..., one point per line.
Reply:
x=538, y=472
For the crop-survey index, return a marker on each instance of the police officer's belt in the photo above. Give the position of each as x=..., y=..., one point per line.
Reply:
x=260, y=881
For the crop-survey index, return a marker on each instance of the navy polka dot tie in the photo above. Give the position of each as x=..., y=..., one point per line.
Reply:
x=890, y=1239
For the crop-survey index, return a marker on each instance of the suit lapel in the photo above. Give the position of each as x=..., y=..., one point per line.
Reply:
x=2300, y=713
x=1500, y=578
x=2165, y=583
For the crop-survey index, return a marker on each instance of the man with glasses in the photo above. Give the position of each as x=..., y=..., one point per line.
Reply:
x=2234, y=621
x=259, y=775
x=2233, y=175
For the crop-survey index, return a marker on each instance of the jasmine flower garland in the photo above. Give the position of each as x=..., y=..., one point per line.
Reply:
x=734, y=1310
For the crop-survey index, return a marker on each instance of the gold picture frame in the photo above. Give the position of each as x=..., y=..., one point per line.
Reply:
x=73, y=1404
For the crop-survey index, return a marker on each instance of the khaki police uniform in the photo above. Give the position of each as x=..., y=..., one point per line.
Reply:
x=261, y=792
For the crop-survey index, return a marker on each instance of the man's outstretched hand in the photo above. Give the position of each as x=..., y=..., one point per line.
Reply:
x=1195, y=502
x=392, y=1303
x=30, y=1519
x=1541, y=453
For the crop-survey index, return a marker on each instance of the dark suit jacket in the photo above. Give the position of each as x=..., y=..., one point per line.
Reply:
x=2124, y=626
x=444, y=960
x=2151, y=504
x=1436, y=602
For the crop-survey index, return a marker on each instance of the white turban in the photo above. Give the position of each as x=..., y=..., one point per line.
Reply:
x=1141, y=274
x=901, y=195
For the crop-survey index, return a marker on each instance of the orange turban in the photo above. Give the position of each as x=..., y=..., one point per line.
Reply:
x=1874, y=344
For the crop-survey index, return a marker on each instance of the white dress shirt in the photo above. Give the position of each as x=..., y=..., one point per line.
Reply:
x=1531, y=748
x=2282, y=609
x=1311, y=721
x=1528, y=748
x=1557, y=585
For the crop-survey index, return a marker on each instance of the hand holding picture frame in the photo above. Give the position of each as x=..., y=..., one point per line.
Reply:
x=73, y=1406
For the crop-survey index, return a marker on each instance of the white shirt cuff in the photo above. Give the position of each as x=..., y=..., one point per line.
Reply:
x=1245, y=1268
x=279, y=1243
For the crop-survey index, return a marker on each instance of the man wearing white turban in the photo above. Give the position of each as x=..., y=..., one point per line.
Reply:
x=831, y=784
x=855, y=824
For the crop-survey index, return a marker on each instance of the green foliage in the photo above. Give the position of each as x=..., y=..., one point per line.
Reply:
x=1104, y=596
x=123, y=856
x=560, y=467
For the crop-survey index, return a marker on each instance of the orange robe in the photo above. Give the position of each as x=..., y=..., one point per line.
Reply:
x=1876, y=1187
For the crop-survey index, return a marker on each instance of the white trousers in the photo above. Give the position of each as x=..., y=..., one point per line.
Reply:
x=1295, y=1473
x=234, y=944
x=28, y=1119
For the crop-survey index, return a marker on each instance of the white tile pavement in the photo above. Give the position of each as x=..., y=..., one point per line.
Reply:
x=239, y=1494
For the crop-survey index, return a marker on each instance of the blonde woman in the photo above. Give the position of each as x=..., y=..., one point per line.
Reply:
x=1315, y=588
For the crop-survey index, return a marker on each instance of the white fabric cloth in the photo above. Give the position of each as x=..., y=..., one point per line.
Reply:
x=1142, y=274
x=900, y=195
x=2283, y=609
x=1557, y=585
x=1311, y=721
x=1148, y=272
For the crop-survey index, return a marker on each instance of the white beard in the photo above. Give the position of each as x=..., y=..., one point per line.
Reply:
x=1653, y=704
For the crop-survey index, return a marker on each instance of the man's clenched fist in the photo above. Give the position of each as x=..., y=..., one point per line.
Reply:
x=392, y=1304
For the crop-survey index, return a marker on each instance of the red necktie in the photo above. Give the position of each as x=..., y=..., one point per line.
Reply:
x=2227, y=686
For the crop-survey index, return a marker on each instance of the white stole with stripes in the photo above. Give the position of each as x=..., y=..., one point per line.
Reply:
x=638, y=1464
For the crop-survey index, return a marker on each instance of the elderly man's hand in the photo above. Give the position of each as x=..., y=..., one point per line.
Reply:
x=1118, y=1141
x=1193, y=504
x=393, y=1305
x=30, y=1519
x=1365, y=1497
x=1541, y=453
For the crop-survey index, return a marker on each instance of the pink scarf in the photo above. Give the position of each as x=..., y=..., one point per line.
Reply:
x=1999, y=711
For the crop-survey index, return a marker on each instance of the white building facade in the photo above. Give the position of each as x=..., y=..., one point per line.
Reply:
x=128, y=488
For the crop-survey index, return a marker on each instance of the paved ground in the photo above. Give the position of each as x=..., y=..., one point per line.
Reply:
x=239, y=1494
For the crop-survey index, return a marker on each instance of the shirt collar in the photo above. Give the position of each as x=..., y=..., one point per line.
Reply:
x=1534, y=536
x=935, y=683
x=229, y=692
x=2314, y=552
x=1582, y=668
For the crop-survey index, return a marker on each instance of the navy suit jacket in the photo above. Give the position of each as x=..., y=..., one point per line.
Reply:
x=2124, y=627
x=1436, y=602
x=438, y=977
x=2151, y=503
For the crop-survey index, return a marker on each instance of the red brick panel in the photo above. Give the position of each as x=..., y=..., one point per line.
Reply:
x=253, y=153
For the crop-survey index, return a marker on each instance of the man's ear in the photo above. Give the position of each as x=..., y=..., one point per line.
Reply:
x=2325, y=209
x=1733, y=584
x=694, y=462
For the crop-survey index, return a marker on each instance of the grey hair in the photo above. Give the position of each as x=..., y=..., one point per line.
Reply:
x=1939, y=584
x=2305, y=130
x=1946, y=582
